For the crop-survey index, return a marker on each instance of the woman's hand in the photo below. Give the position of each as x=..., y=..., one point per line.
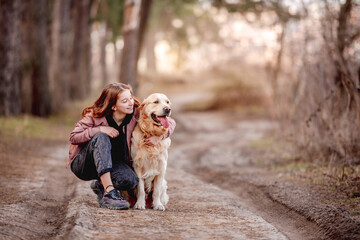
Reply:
x=152, y=141
x=110, y=131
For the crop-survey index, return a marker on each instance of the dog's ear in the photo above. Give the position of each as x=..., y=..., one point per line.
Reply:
x=141, y=106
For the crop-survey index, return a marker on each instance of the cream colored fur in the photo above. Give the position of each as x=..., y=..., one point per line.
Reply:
x=150, y=162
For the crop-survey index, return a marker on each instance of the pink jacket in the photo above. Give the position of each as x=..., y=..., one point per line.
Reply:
x=88, y=126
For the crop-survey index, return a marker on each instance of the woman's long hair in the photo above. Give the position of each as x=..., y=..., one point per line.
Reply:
x=107, y=99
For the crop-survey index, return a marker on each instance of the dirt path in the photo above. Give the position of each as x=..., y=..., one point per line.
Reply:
x=40, y=199
x=217, y=154
x=35, y=189
x=56, y=205
x=197, y=211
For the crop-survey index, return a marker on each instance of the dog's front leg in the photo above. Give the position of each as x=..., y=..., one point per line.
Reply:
x=140, y=194
x=164, y=198
x=158, y=184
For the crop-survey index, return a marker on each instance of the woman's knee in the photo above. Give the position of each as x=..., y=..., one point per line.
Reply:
x=101, y=139
x=101, y=136
x=134, y=182
x=125, y=181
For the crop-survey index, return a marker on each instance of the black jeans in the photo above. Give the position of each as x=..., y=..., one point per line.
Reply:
x=94, y=160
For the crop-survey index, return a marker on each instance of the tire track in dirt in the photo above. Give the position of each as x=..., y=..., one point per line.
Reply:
x=215, y=154
x=35, y=190
x=196, y=210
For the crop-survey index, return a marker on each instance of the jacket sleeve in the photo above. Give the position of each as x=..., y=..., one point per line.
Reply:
x=84, y=130
x=171, y=127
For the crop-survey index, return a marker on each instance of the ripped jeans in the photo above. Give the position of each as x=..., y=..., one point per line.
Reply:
x=94, y=160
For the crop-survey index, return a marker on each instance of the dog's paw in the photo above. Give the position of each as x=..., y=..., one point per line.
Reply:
x=139, y=205
x=159, y=207
x=164, y=199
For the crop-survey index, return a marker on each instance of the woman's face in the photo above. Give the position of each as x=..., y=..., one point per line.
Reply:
x=124, y=103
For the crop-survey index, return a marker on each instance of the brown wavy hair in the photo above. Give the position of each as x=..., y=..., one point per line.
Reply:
x=107, y=99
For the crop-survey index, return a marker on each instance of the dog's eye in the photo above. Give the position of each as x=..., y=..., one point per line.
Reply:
x=167, y=102
x=156, y=102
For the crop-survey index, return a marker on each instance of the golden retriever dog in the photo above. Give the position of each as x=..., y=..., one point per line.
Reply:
x=150, y=161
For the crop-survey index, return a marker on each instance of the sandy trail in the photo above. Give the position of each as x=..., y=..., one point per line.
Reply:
x=197, y=210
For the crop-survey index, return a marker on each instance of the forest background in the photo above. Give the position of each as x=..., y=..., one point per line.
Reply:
x=296, y=62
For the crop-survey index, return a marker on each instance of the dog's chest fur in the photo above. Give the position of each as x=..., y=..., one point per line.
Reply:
x=149, y=161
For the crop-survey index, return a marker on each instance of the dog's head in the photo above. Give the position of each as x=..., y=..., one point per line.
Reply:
x=154, y=113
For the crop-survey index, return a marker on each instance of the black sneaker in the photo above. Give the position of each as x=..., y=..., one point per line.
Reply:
x=114, y=200
x=98, y=189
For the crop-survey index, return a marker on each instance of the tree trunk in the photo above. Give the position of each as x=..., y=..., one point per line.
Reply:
x=277, y=67
x=103, y=43
x=150, y=53
x=144, y=18
x=80, y=82
x=128, y=69
x=41, y=100
x=10, y=57
x=61, y=39
x=358, y=79
x=65, y=51
x=54, y=58
x=343, y=80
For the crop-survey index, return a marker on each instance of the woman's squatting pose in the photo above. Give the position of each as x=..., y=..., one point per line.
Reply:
x=100, y=145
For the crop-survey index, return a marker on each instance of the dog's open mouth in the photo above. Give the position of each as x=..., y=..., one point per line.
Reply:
x=160, y=120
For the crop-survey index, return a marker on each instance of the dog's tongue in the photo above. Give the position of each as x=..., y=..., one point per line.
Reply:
x=164, y=121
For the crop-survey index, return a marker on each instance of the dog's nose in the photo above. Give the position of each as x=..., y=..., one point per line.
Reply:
x=167, y=110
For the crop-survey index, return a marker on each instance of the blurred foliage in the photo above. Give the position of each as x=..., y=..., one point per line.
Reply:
x=258, y=7
x=263, y=143
x=165, y=12
x=53, y=128
x=236, y=97
x=237, y=94
x=111, y=12
x=237, y=90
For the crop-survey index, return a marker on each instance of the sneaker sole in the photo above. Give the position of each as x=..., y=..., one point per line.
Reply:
x=114, y=208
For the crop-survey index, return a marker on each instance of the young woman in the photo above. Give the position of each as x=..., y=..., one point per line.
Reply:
x=100, y=145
